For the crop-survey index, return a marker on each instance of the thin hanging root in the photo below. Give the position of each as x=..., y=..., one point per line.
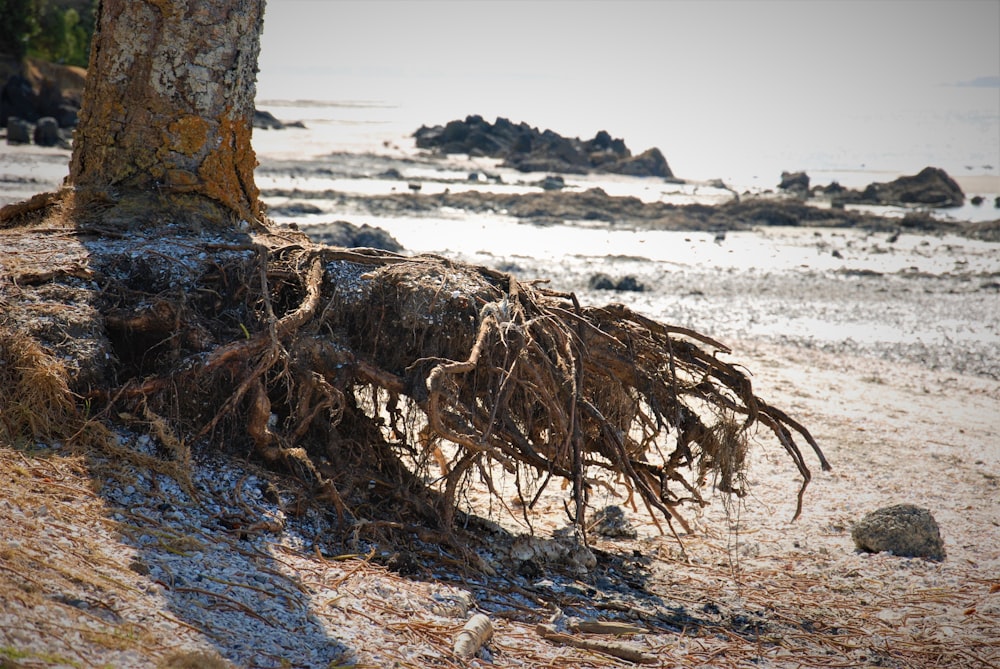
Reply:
x=510, y=373
x=546, y=384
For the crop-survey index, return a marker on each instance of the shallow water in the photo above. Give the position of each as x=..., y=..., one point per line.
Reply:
x=957, y=136
x=928, y=299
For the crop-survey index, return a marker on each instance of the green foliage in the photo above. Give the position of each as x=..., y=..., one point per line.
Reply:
x=17, y=25
x=54, y=30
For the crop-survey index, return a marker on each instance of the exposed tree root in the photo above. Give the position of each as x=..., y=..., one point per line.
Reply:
x=367, y=374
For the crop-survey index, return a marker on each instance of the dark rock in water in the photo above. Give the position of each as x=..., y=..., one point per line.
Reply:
x=931, y=187
x=649, y=163
x=602, y=281
x=295, y=209
x=18, y=99
x=795, y=182
x=47, y=132
x=773, y=212
x=266, y=121
x=52, y=102
x=348, y=235
x=18, y=131
x=630, y=283
x=976, y=200
x=527, y=149
x=553, y=182
x=904, y=530
x=921, y=221
x=996, y=202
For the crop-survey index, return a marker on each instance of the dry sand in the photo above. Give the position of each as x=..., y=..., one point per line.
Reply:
x=755, y=589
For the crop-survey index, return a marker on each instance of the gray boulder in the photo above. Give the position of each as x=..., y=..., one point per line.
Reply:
x=931, y=187
x=553, y=182
x=348, y=235
x=265, y=120
x=47, y=132
x=904, y=530
x=18, y=131
x=649, y=163
x=795, y=182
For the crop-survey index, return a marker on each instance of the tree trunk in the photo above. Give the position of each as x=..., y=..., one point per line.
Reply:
x=168, y=106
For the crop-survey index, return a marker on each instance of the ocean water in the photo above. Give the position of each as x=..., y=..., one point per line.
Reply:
x=848, y=91
x=957, y=138
x=958, y=131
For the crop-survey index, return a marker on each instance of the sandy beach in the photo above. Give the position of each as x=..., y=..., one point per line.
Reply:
x=427, y=335
x=104, y=565
x=125, y=573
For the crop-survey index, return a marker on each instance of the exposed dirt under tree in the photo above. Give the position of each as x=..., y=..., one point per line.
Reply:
x=346, y=365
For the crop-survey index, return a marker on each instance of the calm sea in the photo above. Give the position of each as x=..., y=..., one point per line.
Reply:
x=958, y=131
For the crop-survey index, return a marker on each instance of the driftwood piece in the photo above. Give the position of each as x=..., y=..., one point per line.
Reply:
x=605, y=627
x=620, y=649
x=474, y=634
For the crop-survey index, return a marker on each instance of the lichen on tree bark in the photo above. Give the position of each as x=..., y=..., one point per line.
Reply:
x=169, y=102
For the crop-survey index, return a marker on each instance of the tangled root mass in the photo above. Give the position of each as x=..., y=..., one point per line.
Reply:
x=384, y=382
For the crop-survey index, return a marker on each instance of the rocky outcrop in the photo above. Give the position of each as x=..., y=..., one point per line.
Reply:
x=931, y=187
x=348, y=235
x=265, y=120
x=19, y=99
x=559, y=206
x=528, y=149
x=795, y=182
x=602, y=281
x=647, y=163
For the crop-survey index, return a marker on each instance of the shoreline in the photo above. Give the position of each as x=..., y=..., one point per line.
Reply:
x=28, y=169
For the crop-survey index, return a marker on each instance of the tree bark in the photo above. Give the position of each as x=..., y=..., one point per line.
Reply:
x=169, y=101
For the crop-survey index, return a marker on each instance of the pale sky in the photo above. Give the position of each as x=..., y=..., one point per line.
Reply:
x=752, y=45
x=782, y=69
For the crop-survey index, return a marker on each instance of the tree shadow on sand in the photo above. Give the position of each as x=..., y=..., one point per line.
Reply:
x=210, y=545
